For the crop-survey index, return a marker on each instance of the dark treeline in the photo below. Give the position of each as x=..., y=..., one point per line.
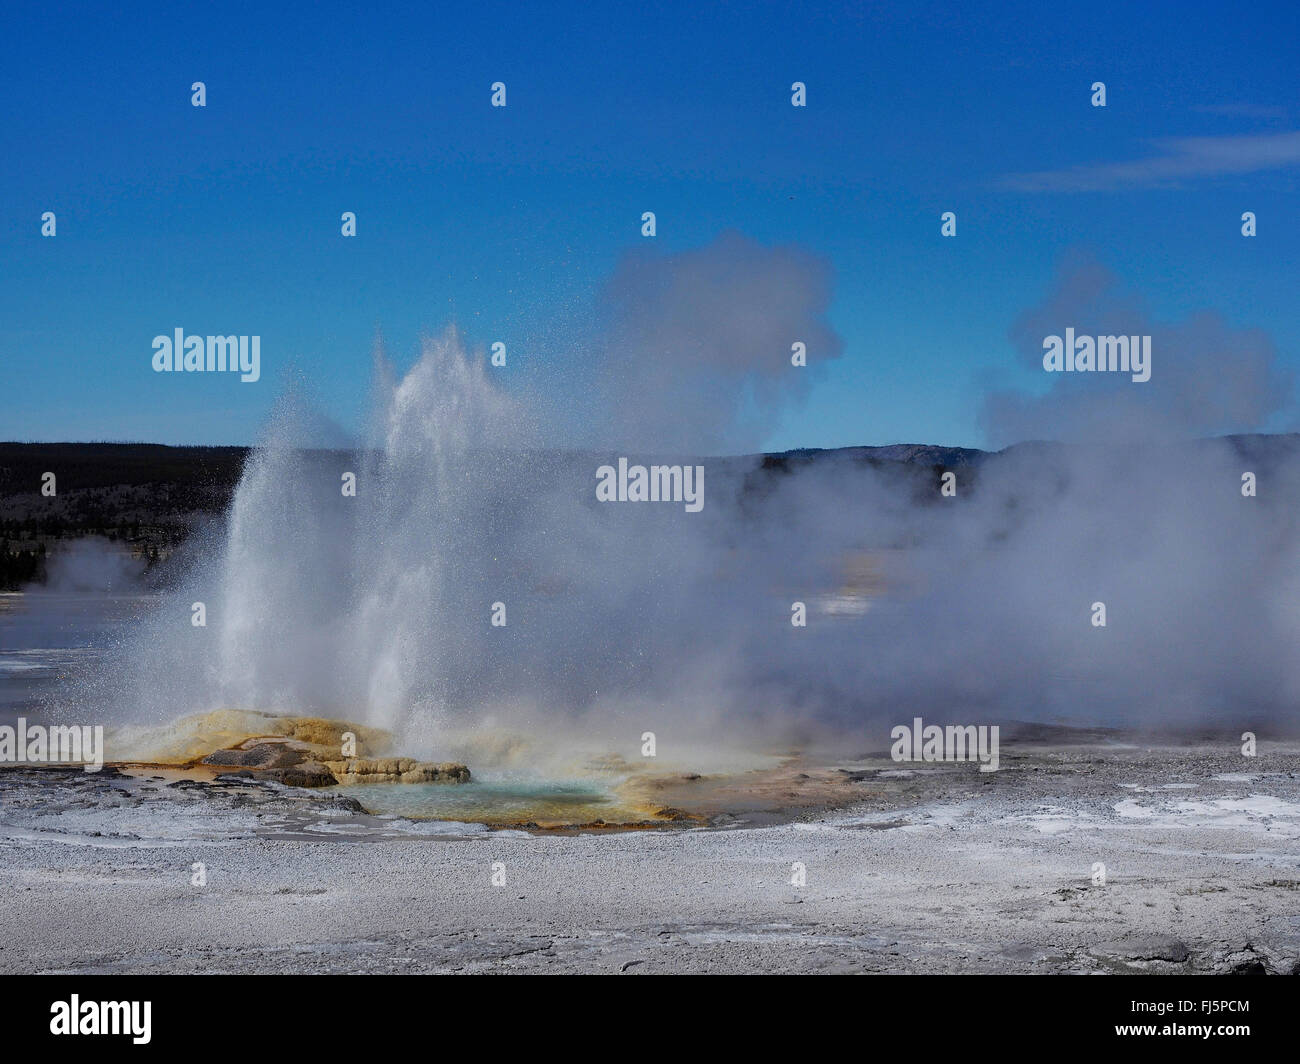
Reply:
x=19, y=567
x=149, y=497
x=146, y=497
x=196, y=471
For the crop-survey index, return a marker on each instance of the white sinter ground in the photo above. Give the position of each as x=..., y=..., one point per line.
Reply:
x=938, y=870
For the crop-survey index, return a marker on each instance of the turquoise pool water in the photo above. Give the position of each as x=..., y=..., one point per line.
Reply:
x=489, y=801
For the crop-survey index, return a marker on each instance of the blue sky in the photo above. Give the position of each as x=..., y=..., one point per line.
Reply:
x=225, y=219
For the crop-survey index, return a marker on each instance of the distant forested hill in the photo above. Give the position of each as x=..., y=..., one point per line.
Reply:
x=148, y=497
x=145, y=496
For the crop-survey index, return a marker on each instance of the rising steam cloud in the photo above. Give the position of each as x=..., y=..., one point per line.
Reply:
x=625, y=617
x=694, y=352
x=1208, y=378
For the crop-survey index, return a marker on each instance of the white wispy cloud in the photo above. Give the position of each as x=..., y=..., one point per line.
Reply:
x=1180, y=159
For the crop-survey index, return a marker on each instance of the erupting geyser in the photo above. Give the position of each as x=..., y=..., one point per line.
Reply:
x=455, y=577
